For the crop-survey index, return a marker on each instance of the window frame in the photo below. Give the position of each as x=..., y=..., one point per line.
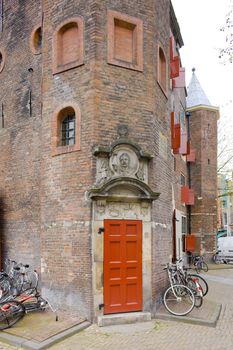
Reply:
x=57, y=67
x=66, y=121
x=113, y=16
x=182, y=179
x=162, y=84
x=184, y=223
x=58, y=117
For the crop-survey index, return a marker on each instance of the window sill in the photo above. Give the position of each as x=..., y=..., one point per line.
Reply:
x=68, y=66
x=65, y=149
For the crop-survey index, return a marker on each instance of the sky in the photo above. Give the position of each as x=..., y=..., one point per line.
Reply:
x=200, y=22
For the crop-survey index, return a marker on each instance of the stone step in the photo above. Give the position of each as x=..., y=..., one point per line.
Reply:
x=124, y=318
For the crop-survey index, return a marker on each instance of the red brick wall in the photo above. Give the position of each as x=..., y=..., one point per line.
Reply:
x=20, y=138
x=203, y=124
x=43, y=196
x=107, y=95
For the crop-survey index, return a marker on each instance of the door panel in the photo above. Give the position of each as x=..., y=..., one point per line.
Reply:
x=122, y=266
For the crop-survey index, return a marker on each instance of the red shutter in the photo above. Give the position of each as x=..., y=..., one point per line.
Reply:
x=190, y=243
x=175, y=134
x=174, y=67
x=187, y=195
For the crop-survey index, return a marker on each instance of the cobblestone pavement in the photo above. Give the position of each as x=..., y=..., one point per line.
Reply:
x=164, y=335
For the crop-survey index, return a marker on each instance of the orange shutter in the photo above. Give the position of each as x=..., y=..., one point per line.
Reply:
x=190, y=243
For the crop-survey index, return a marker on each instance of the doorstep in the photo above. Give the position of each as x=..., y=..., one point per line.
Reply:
x=123, y=318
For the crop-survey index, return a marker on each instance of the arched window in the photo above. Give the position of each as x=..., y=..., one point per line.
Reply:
x=66, y=130
x=68, y=45
x=162, y=70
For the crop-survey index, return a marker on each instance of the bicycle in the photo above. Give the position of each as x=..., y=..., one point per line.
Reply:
x=191, y=281
x=199, y=263
x=16, y=279
x=178, y=299
x=201, y=281
x=13, y=310
x=217, y=259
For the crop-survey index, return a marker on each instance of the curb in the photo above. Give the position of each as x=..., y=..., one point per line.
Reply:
x=34, y=345
x=193, y=320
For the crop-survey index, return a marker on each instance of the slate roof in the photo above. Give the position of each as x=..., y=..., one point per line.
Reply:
x=196, y=95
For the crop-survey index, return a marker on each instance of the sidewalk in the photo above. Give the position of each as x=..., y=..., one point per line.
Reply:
x=40, y=330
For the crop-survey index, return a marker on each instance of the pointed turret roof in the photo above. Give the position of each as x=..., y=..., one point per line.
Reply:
x=196, y=95
x=197, y=98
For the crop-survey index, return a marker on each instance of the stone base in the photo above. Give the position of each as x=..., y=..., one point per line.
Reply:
x=124, y=318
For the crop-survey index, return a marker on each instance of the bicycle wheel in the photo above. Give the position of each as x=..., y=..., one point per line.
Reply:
x=17, y=284
x=10, y=313
x=198, y=266
x=4, y=288
x=179, y=300
x=196, y=289
x=30, y=282
x=202, y=282
x=204, y=266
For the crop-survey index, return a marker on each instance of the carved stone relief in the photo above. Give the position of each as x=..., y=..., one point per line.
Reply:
x=103, y=170
x=122, y=210
x=122, y=162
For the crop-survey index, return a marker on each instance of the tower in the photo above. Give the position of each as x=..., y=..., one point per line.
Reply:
x=85, y=149
x=203, y=170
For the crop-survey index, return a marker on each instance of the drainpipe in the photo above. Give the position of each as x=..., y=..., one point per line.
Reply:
x=188, y=114
x=189, y=254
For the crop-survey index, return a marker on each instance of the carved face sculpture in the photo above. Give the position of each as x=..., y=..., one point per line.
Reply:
x=124, y=161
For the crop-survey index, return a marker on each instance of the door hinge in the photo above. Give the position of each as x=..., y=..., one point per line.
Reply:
x=101, y=229
x=101, y=306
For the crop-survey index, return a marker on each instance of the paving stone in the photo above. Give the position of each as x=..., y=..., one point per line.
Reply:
x=163, y=335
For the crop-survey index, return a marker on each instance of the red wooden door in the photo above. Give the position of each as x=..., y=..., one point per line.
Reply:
x=122, y=266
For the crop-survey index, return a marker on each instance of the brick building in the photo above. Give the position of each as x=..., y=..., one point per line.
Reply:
x=94, y=139
x=203, y=171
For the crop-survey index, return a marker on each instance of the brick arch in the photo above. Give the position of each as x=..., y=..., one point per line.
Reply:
x=68, y=45
x=57, y=119
x=162, y=70
x=36, y=40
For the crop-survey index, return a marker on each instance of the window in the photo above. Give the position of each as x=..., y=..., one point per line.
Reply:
x=162, y=70
x=36, y=40
x=68, y=45
x=66, y=130
x=182, y=180
x=174, y=163
x=125, y=41
x=184, y=224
